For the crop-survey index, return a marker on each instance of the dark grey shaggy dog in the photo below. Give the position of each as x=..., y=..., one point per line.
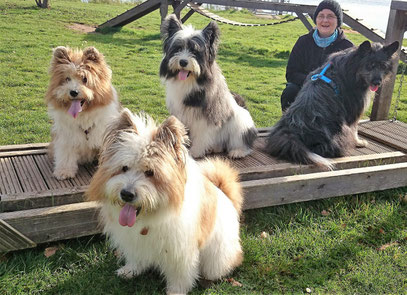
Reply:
x=322, y=122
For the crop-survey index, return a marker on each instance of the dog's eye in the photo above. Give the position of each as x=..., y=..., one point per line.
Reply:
x=125, y=168
x=84, y=80
x=67, y=79
x=148, y=173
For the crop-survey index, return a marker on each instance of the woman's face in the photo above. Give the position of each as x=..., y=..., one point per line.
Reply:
x=326, y=23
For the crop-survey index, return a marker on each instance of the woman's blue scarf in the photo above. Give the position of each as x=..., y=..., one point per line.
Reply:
x=324, y=42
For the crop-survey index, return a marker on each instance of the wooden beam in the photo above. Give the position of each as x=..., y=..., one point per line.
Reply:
x=189, y=14
x=396, y=27
x=25, y=201
x=304, y=20
x=132, y=14
x=11, y=239
x=55, y=223
x=314, y=186
x=163, y=9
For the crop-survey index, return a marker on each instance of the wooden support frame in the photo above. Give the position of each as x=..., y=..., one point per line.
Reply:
x=28, y=217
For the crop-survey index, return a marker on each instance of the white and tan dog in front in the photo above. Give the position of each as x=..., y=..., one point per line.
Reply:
x=161, y=208
x=81, y=102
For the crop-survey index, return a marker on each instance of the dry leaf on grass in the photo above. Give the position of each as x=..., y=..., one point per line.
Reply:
x=325, y=213
x=234, y=283
x=264, y=235
x=48, y=252
x=385, y=246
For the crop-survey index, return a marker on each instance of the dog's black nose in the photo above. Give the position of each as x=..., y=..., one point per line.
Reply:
x=126, y=195
x=183, y=63
x=74, y=93
x=376, y=82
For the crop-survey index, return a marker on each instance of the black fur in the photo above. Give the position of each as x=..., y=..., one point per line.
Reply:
x=249, y=136
x=323, y=122
x=196, y=99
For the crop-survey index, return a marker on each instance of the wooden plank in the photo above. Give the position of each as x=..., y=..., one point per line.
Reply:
x=29, y=175
x=10, y=182
x=23, y=153
x=385, y=132
x=287, y=169
x=55, y=223
x=46, y=168
x=30, y=200
x=82, y=177
x=21, y=147
x=11, y=239
x=314, y=186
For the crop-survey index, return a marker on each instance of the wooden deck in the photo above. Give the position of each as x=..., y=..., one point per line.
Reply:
x=37, y=208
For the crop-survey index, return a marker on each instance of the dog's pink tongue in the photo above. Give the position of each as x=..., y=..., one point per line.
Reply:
x=374, y=88
x=182, y=75
x=127, y=216
x=75, y=108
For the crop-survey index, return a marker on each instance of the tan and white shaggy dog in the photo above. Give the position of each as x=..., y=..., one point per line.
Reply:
x=81, y=102
x=161, y=208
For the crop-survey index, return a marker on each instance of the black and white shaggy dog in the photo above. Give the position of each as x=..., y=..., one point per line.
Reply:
x=197, y=93
x=322, y=121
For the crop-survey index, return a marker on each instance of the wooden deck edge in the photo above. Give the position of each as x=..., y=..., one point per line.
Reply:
x=286, y=169
x=314, y=186
x=26, y=201
x=23, y=147
x=55, y=223
x=81, y=219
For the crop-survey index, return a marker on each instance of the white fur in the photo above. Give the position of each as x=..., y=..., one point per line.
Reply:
x=171, y=244
x=71, y=146
x=205, y=136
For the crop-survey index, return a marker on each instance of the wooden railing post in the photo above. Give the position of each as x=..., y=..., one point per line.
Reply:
x=396, y=27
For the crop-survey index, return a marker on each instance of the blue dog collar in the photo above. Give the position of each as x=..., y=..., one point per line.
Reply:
x=324, y=78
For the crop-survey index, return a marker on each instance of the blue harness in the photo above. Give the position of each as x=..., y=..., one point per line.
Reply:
x=325, y=78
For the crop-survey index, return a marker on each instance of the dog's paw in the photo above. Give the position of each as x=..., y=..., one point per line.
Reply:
x=65, y=173
x=360, y=143
x=126, y=272
x=239, y=153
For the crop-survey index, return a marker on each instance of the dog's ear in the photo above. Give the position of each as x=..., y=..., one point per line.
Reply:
x=170, y=26
x=92, y=54
x=211, y=34
x=173, y=135
x=123, y=123
x=61, y=55
x=391, y=49
x=364, y=48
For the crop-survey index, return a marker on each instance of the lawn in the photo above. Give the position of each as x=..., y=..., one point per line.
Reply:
x=346, y=245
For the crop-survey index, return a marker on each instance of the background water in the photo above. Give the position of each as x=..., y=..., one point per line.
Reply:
x=374, y=13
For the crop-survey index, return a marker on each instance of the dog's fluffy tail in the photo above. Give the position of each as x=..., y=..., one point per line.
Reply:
x=287, y=146
x=226, y=178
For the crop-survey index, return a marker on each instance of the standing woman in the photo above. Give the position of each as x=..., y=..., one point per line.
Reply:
x=311, y=50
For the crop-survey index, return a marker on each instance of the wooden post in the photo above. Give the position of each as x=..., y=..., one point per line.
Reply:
x=396, y=27
x=163, y=9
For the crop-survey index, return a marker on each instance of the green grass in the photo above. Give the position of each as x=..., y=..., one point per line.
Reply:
x=336, y=253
